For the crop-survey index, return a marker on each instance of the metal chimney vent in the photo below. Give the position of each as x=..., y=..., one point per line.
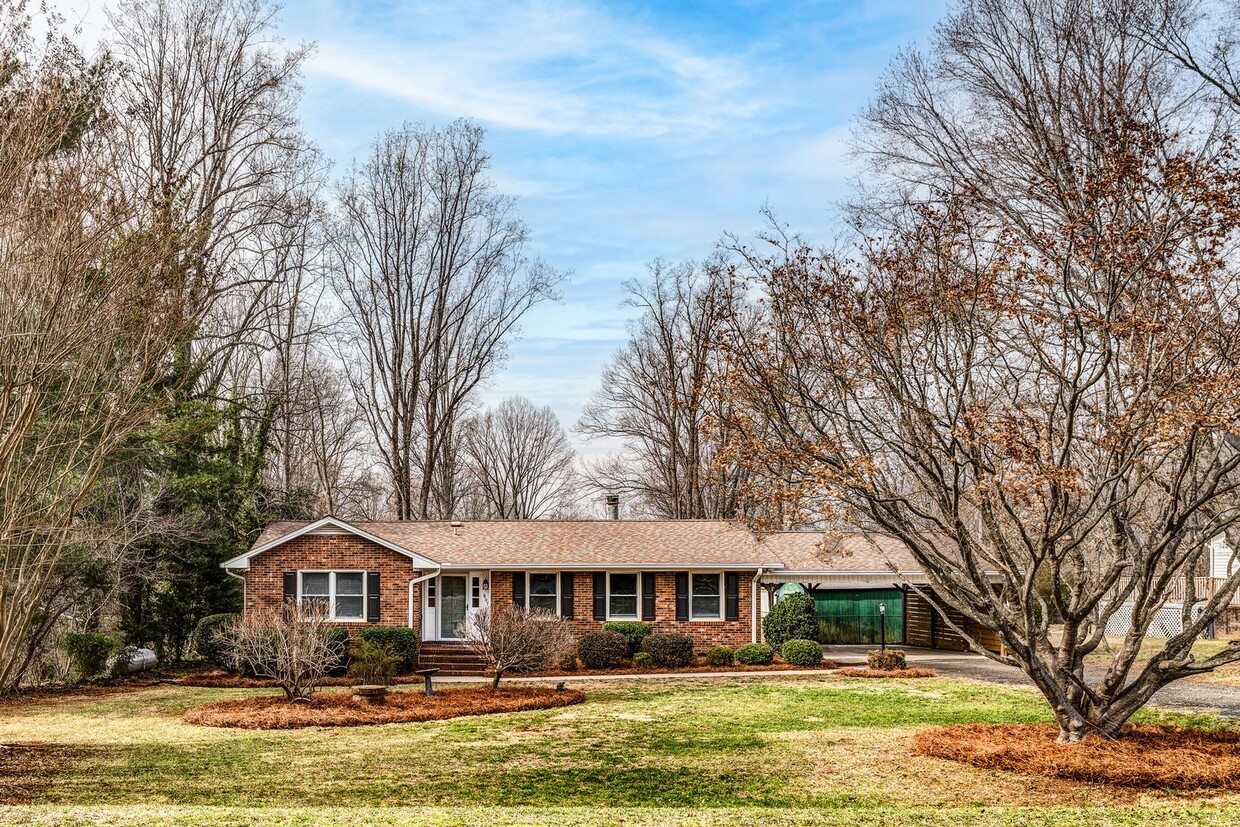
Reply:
x=613, y=506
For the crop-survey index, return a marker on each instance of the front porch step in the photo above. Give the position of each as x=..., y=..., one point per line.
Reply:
x=451, y=659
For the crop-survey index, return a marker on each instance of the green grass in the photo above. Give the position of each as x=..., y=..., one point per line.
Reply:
x=771, y=750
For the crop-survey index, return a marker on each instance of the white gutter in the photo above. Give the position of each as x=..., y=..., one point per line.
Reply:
x=232, y=573
x=754, y=605
x=414, y=581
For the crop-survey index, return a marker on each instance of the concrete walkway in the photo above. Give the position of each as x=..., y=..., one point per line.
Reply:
x=1182, y=696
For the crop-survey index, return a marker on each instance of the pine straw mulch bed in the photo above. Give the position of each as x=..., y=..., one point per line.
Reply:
x=885, y=673
x=1146, y=755
x=219, y=679
x=338, y=708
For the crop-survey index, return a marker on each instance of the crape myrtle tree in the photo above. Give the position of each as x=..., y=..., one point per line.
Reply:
x=1026, y=367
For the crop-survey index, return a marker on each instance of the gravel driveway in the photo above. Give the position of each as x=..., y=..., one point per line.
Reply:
x=1182, y=696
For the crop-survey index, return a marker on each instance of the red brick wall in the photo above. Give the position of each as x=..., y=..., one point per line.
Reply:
x=1227, y=625
x=264, y=582
x=705, y=633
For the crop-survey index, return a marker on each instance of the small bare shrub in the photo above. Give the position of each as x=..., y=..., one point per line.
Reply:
x=512, y=639
x=293, y=649
x=890, y=659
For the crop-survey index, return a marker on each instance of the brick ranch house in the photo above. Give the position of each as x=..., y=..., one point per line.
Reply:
x=711, y=580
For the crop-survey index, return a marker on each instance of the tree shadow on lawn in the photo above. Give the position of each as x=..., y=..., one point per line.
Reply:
x=27, y=768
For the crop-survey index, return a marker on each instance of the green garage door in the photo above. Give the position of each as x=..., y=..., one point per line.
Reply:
x=852, y=616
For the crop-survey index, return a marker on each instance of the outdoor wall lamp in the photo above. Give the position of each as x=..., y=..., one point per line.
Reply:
x=486, y=585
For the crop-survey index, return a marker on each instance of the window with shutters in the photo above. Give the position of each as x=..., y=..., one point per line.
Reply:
x=622, y=596
x=706, y=596
x=544, y=591
x=343, y=593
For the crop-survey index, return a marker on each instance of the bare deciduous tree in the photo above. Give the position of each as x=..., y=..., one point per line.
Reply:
x=520, y=461
x=654, y=398
x=214, y=144
x=511, y=639
x=294, y=648
x=89, y=306
x=434, y=278
x=1027, y=369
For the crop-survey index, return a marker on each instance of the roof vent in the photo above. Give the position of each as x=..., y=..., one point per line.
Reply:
x=613, y=506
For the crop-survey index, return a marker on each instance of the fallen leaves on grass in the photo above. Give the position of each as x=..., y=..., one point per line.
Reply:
x=338, y=708
x=853, y=672
x=1144, y=756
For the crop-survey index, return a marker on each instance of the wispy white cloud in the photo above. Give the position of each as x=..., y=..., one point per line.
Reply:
x=552, y=66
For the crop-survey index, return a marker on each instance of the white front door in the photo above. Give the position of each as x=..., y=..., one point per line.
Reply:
x=456, y=598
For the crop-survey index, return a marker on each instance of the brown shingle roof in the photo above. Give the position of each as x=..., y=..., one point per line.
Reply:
x=626, y=543
x=817, y=551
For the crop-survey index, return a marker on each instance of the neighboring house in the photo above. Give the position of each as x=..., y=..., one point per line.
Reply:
x=711, y=580
x=1220, y=564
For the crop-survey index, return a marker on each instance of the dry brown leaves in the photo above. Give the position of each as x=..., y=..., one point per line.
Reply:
x=338, y=708
x=1145, y=756
x=853, y=672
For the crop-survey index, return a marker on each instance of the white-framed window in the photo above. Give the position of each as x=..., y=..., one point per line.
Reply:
x=706, y=595
x=543, y=591
x=623, y=595
x=343, y=592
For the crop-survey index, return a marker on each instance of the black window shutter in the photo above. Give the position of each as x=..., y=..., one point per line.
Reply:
x=647, y=595
x=290, y=586
x=682, y=595
x=600, y=595
x=518, y=589
x=372, y=597
x=731, y=596
x=566, y=595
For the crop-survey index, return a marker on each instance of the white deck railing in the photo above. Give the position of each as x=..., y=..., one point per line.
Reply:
x=1204, y=588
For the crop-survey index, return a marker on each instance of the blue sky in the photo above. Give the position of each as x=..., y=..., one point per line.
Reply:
x=628, y=130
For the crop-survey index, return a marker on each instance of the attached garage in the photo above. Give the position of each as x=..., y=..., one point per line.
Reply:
x=849, y=576
x=854, y=616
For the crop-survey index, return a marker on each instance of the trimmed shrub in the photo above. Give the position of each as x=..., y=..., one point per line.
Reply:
x=204, y=642
x=89, y=652
x=634, y=632
x=754, y=654
x=669, y=650
x=792, y=618
x=642, y=660
x=891, y=659
x=719, y=656
x=373, y=664
x=400, y=641
x=602, y=650
x=568, y=662
x=802, y=652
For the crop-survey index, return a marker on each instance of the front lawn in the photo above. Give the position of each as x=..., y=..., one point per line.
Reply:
x=803, y=750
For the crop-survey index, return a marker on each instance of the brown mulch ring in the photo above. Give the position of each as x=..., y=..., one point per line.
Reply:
x=1153, y=755
x=338, y=708
x=852, y=672
x=26, y=767
x=219, y=679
